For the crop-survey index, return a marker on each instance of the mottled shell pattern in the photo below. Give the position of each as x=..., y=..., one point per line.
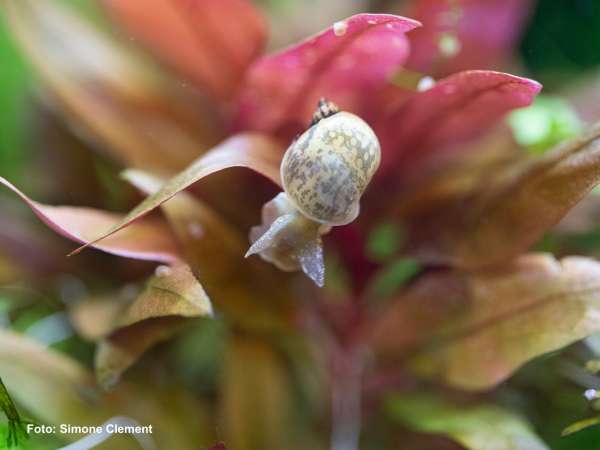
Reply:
x=326, y=170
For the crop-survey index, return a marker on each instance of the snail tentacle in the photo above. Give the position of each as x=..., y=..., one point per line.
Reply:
x=268, y=238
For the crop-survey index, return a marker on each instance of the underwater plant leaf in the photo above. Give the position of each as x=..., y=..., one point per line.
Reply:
x=254, y=373
x=123, y=348
x=171, y=296
x=253, y=151
x=485, y=33
x=56, y=389
x=344, y=63
x=544, y=124
x=483, y=326
x=457, y=108
x=580, y=425
x=16, y=426
x=110, y=93
x=173, y=291
x=149, y=239
x=211, y=43
x=249, y=293
x=97, y=317
x=476, y=426
x=519, y=203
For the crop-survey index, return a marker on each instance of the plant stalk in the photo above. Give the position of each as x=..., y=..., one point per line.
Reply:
x=346, y=399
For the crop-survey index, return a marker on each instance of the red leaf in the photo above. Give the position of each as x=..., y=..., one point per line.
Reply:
x=253, y=151
x=211, y=42
x=149, y=240
x=457, y=108
x=486, y=32
x=345, y=63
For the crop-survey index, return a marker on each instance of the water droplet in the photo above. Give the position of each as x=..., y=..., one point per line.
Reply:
x=340, y=28
x=425, y=83
x=591, y=394
x=163, y=271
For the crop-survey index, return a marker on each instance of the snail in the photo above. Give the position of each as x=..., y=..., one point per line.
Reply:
x=324, y=173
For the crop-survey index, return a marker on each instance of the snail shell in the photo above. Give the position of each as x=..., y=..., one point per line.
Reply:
x=326, y=170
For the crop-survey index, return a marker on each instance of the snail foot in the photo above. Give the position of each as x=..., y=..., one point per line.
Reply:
x=289, y=240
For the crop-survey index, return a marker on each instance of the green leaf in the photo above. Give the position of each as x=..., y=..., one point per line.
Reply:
x=476, y=427
x=547, y=122
x=580, y=425
x=16, y=427
x=394, y=275
x=384, y=241
x=14, y=86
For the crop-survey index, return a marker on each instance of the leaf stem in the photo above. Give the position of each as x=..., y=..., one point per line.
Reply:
x=346, y=399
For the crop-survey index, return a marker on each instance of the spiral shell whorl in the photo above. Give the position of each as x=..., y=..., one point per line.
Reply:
x=328, y=168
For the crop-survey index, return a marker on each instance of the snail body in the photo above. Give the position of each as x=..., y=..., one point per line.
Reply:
x=324, y=172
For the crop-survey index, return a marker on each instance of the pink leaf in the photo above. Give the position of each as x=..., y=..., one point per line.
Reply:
x=211, y=42
x=346, y=62
x=149, y=240
x=485, y=31
x=457, y=108
x=253, y=151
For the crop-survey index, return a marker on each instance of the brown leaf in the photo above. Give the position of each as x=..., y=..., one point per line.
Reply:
x=173, y=291
x=249, y=293
x=159, y=312
x=254, y=151
x=495, y=321
x=124, y=347
x=253, y=374
x=8, y=271
x=95, y=318
x=149, y=239
x=136, y=113
x=510, y=209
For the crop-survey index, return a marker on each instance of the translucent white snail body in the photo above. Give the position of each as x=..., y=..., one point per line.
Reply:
x=324, y=172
